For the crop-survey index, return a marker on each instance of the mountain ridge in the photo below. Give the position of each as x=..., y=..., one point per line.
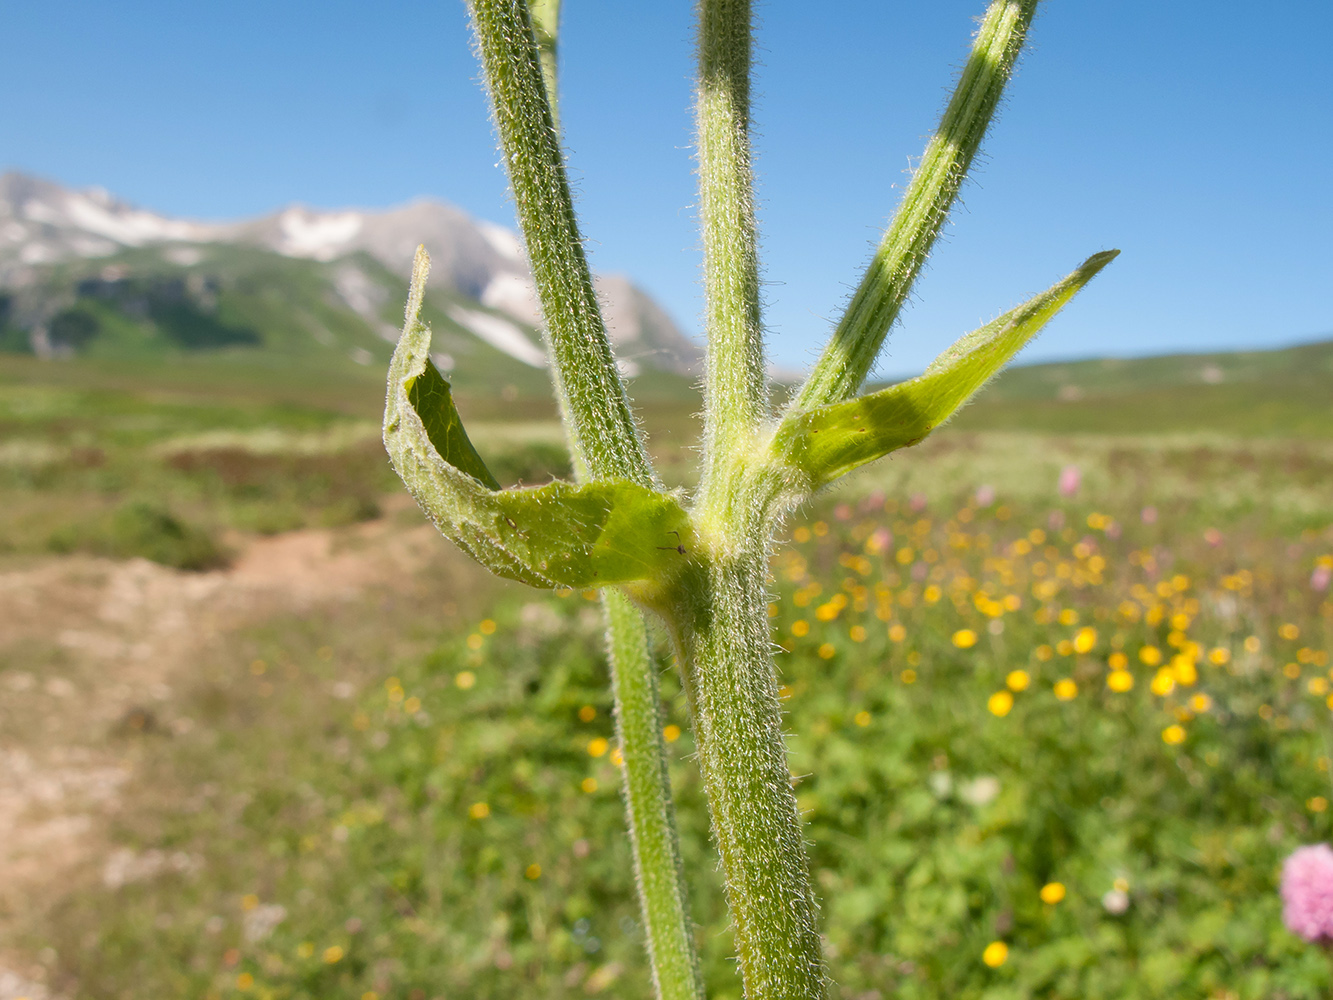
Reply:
x=44, y=225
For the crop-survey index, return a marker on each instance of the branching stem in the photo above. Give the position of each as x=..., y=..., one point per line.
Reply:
x=714, y=599
x=851, y=353
x=735, y=390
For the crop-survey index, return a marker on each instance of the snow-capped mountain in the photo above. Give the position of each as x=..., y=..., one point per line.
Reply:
x=43, y=224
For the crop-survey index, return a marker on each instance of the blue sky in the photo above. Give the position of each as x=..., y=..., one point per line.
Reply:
x=1195, y=139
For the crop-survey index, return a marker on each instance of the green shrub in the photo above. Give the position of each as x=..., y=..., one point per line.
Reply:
x=143, y=530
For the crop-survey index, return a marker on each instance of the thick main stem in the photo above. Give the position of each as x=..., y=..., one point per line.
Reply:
x=735, y=389
x=875, y=305
x=719, y=623
x=648, y=804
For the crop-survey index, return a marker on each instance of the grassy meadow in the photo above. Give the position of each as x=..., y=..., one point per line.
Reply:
x=1049, y=744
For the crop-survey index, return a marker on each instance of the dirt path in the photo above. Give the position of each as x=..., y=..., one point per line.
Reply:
x=91, y=646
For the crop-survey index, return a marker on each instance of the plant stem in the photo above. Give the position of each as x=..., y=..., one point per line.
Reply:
x=546, y=27
x=851, y=353
x=521, y=70
x=735, y=389
x=718, y=617
x=605, y=443
x=657, y=867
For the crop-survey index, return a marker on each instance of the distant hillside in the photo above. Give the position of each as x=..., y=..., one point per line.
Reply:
x=1285, y=391
x=83, y=273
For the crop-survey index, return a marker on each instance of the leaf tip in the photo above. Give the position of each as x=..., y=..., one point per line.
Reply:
x=1098, y=261
x=417, y=290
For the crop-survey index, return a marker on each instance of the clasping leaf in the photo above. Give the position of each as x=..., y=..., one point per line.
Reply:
x=829, y=441
x=555, y=535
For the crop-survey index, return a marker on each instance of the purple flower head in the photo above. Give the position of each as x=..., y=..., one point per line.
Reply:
x=1307, y=892
x=1069, y=480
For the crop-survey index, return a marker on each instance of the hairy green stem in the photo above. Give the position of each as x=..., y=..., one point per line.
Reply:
x=718, y=619
x=851, y=353
x=605, y=442
x=657, y=866
x=718, y=616
x=546, y=27
x=591, y=397
x=714, y=600
x=735, y=389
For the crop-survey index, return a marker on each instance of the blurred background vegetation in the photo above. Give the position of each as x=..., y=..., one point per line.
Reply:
x=406, y=785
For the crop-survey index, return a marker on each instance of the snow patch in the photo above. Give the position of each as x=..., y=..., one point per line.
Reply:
x=36, y=253
x=40, y=211
x=91, y=246
x=515, y=294
x=503, y=241
x=500, y=334
x=321, y=237
x=130, y=227
x=183, y=256
x=359, y=292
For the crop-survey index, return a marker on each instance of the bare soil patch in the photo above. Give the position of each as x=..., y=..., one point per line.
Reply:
x=92, y=650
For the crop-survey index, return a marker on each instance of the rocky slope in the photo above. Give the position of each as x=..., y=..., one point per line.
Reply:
x=61, y=248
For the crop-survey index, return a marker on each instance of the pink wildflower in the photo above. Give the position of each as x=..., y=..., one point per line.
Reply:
x=1069, y=480
x=880, y=540
x=985, y=496
x=1307, y=892
x=1321, y=577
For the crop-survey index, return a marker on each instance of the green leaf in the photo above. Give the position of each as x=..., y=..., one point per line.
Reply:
x=556, y=535
x=433, y=402
x=830, y=441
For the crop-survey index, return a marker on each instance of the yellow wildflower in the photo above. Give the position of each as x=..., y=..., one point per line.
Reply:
x=1120, y=681
x=964, y=638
